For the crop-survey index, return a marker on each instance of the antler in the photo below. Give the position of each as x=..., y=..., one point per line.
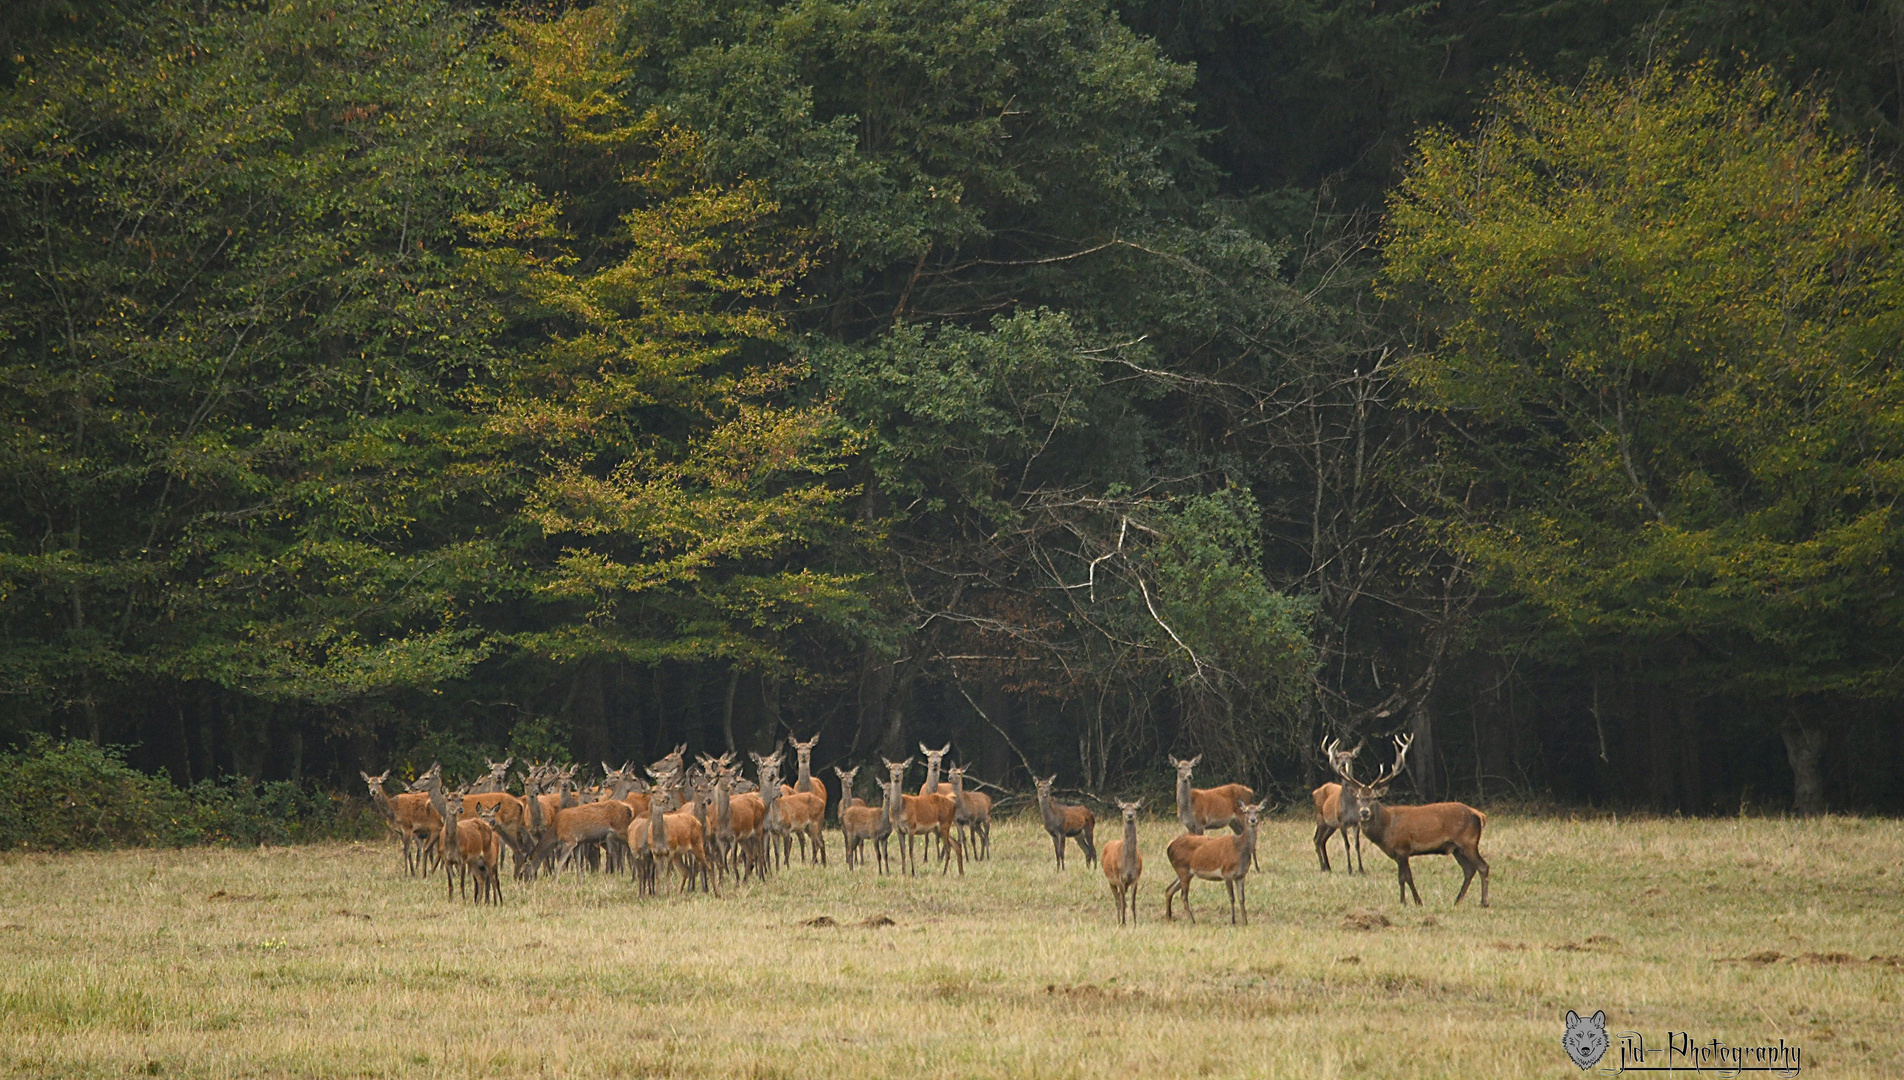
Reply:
x=1402, y=743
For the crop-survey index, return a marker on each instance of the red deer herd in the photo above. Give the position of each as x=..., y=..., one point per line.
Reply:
x=704, y=824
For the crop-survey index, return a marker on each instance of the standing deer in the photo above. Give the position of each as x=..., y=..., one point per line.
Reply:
x=860, y=823
x=497, y=778
x=920, y=815
x=932, y=786
x=1214, y=858
x=1329, y=810
x=1123, y=864
x=972, y=812
x=1063, y=821
x=1203, y=809
x=386, y=810
x=465, y=844
x=1402, y=832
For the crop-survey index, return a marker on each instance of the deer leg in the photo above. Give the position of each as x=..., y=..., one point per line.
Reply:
x=1407, y=881
x=1467, y=873
x=1229, y=885
x=1169, y=889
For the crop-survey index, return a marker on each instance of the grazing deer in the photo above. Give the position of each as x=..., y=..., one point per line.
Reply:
x=1063, y=821
x=860, y=823
x=1214, y=858
x=1329, y=807
x=972, y=813
x=1402, y=832
x=919, y=815
x=1123, y=864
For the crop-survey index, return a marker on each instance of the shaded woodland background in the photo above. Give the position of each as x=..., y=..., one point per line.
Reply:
x=391, y=383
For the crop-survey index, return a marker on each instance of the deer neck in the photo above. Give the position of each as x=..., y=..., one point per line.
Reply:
x=1245, y=847
x=723, y=806
x=1048, y=809
x=1130, y=837
x=441, y=807
x=1184, y=812
x=803, y=780
x=931, y=786
x=381, y=800
x=1377, y=826
x=770, y=799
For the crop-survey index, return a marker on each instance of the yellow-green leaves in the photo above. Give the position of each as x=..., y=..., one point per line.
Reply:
x=1665, y=339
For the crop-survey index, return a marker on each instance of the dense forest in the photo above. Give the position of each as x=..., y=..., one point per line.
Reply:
x=388, y=382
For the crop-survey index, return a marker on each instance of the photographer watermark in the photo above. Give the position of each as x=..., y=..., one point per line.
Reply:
x=1588, y=1043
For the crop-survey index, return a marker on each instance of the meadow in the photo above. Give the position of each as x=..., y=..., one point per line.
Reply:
x=324, y=960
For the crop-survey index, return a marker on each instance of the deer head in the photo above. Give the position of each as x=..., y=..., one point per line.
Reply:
x=1183, y=767
x=846, y=782
x=1365, y=796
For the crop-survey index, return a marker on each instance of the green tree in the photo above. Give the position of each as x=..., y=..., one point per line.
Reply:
x=1664, y=330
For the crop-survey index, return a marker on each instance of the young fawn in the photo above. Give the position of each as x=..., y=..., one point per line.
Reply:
x=1123, y=864
x=860, y=823
x=1063, y=821
x=1214, y=858
x=1446, y=828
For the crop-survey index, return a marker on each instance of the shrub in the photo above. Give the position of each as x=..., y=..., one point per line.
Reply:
x=66, y=796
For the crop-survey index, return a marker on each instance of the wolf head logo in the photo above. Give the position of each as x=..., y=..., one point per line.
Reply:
x=1586, y=1039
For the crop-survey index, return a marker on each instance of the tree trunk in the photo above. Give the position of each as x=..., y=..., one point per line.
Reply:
x=727, y=709
x=1424, y=759
x=1804, y=746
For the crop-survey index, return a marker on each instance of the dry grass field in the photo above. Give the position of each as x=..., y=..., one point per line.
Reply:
x=325, y=961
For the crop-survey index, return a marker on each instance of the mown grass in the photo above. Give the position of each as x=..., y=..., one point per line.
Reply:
x=323, y=960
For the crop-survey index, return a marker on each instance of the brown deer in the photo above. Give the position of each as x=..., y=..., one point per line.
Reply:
x=803, y=814
x=1329, y=807
x=1203, y=809
x=490, y=886
x=1402, y=832
x=860, y=823
x=415, y=815
x=932, y=786
x=512, y=819
x=465, y=844
x=497, y=778
x=1063, y=821
x=380, y=801
x=571, y=827
x=1214, y=858
x=1123, y=864
x=920, y=815
x=972, y=813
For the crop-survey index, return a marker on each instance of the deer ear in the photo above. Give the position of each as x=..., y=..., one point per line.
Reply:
x=1192, y=762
